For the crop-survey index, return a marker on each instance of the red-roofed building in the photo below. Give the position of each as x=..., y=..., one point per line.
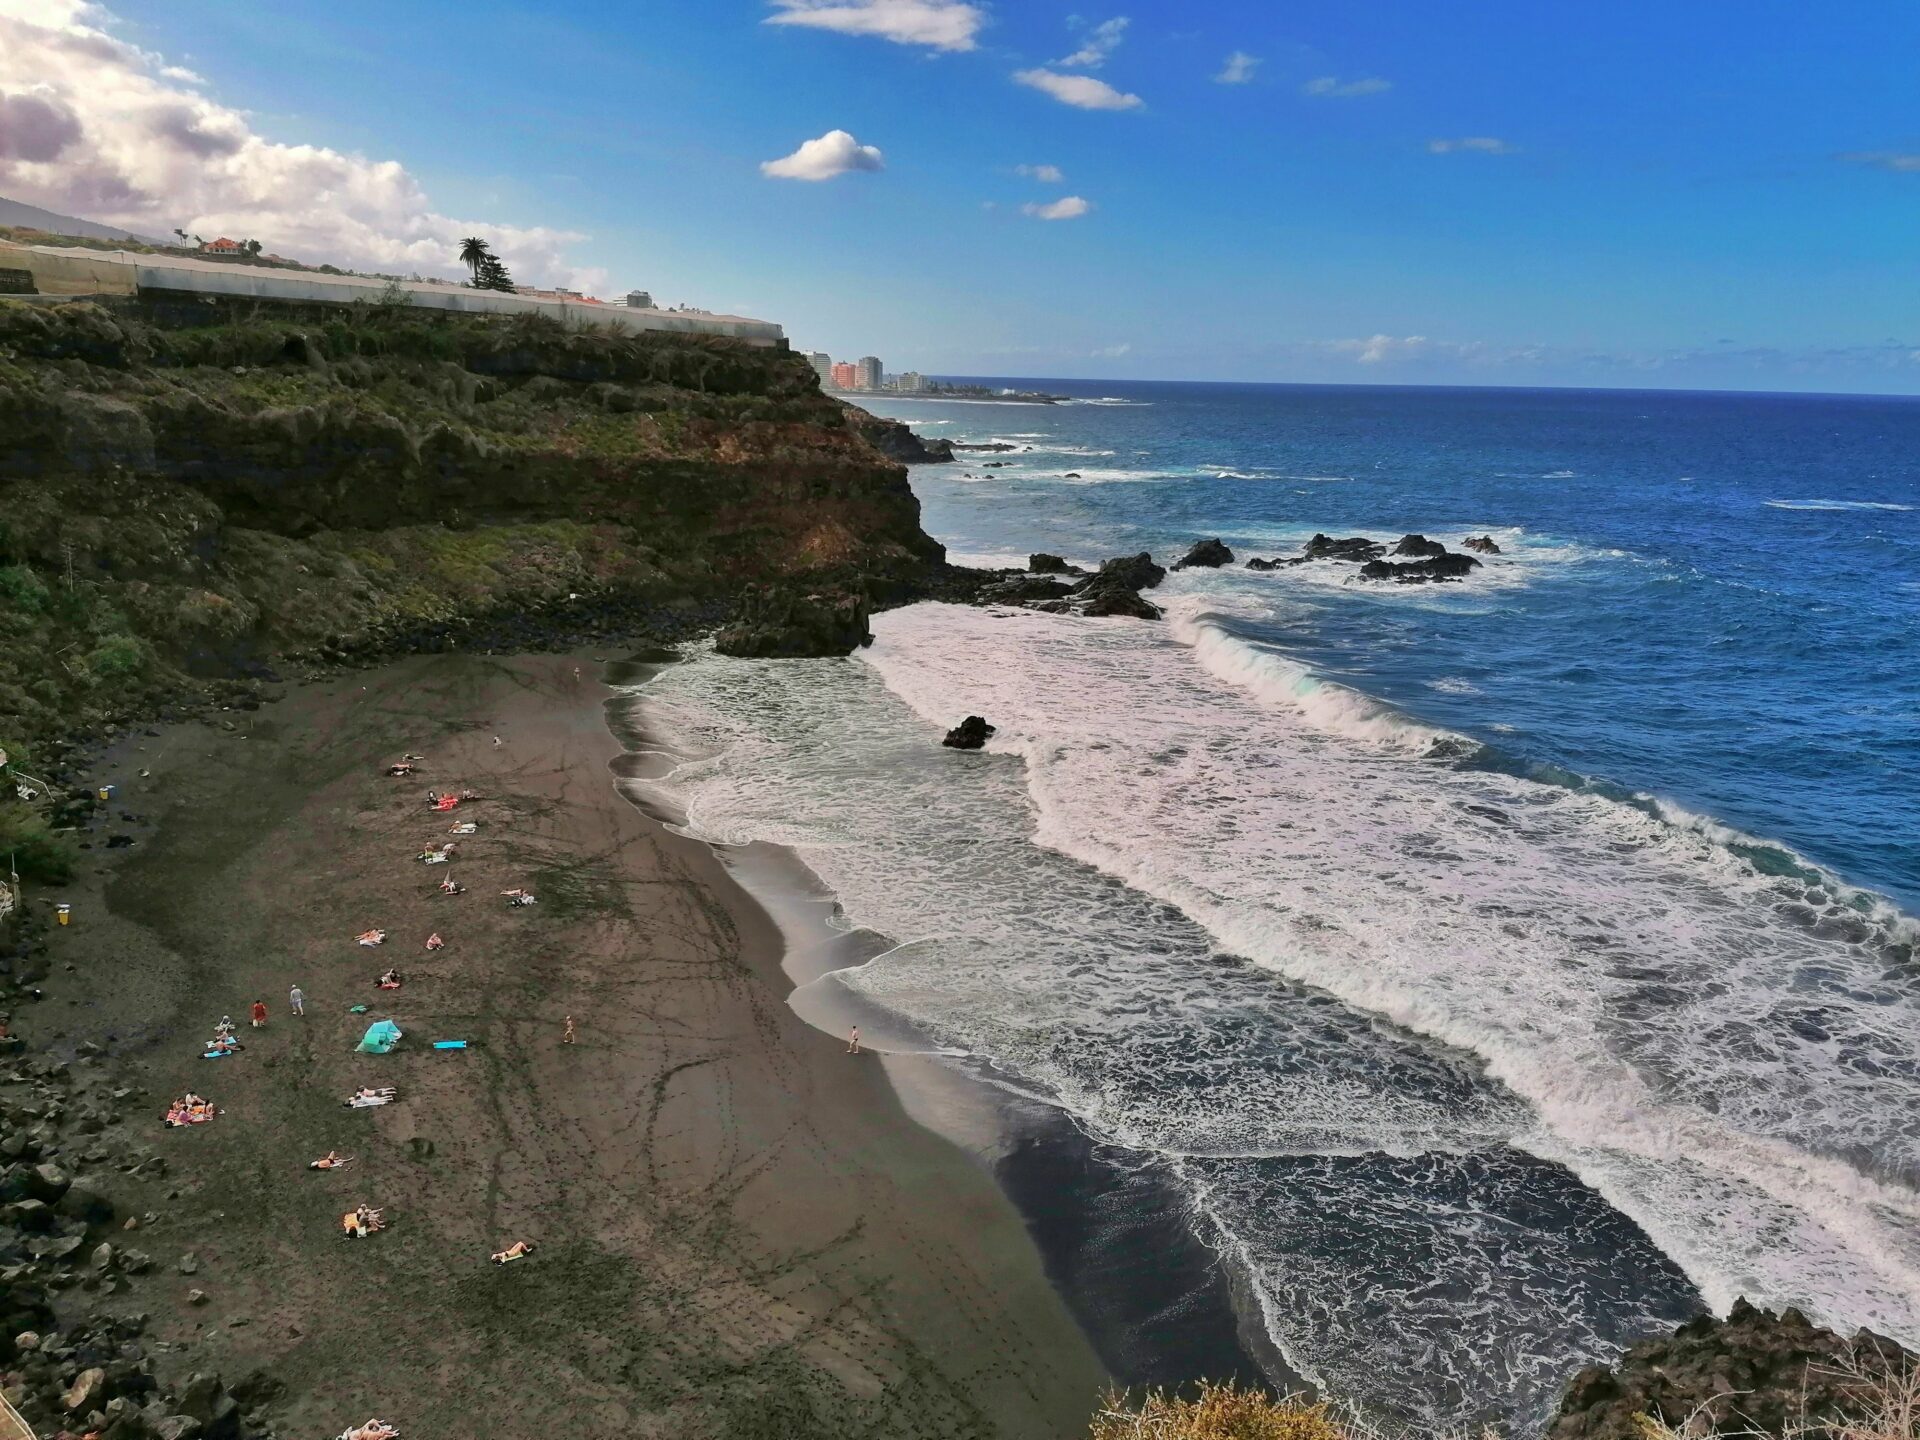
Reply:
x=223, y=246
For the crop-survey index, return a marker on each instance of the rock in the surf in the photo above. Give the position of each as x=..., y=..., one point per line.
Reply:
x=1354, y=547
x=970, y=734
x=1419, y=547
x=1041, y=563
x=1254, y=562
x=1445, y=566
x=1125, y=572
x=1119, y=601
x=1205, y=554
x=1024, y=589
x=1483, y=543
x=1754, y=1373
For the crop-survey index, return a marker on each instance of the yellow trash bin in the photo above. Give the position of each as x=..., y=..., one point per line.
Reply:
x=65, y=913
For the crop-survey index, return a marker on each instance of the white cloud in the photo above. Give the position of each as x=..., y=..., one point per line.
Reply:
x=94, y=126
x=939, y=24
x=1083, y=92
x=1884, y=159
x=1484, y=144
x=1101, y=41
x=834, y=153
x=1238, y=70
x=1334, y=87
x=1376, y=348
x=1067, y=207
x=1112, y=352
x=1045, y=174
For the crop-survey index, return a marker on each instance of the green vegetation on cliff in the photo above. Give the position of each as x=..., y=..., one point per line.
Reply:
x=203, y=487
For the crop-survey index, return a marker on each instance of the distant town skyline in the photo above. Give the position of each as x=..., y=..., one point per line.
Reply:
x=1515, y=194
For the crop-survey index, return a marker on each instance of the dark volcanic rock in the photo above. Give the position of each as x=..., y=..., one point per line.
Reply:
x=1483, y=543
x=1205, y=554
x=776, y=623
x=1354, y=547
x=1419, y=547
x=970, y=734
x=1752, y=1373
x=1124, y=572
x=995, y=445
x=1254, y=562
x=1041, y=563
x=1118, y=601
x=1447, y=566
x=1021, y=589
x=893, y=439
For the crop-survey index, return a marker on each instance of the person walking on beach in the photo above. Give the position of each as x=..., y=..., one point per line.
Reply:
x=259, y=1013
x=296, y=1001
x=567, y=1038
x=853, y=1041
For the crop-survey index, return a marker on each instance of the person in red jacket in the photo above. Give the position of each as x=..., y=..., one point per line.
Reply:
x=259, y=1013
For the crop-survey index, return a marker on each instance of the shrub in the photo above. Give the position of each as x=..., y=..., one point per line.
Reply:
x=37, y=851
x=21, y=589
x=1217, y=1412
x=116, y=657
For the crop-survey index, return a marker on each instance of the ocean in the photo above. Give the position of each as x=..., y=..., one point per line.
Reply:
x=1499, y=972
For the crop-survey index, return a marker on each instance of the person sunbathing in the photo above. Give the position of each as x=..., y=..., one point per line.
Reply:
x=446, y=802
x=332, y=1160
x=225, y=1027
x=463, y=827
x=372, y=1430
x=371, y=937
x=362, y=1221
x=448, y=887
x=437, y=857
x=519, y=1250
x=389, y=981
x=367, y=1097
x=519, y=897
x=189, y=1109
x=405, y=767
x=434, y=942
x=223, y=1043
x=469, y=794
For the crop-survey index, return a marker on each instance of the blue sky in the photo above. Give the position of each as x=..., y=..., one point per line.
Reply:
x=1697, y=193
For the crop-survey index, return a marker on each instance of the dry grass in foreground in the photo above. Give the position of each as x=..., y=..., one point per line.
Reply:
x=1217, y=1412
x=1877, y=1404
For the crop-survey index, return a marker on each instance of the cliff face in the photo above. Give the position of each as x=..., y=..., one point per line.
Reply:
x=202, y=485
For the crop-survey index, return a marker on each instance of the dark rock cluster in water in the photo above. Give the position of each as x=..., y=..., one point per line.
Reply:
x=1114, y=589
x=971, y=733
x=1754, y=1373
x=1429, y=560
x=1205, y=554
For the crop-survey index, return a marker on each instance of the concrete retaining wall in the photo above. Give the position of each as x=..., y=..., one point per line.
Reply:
x=61, y=271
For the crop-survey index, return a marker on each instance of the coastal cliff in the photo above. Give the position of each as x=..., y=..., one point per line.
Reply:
x=210, y=488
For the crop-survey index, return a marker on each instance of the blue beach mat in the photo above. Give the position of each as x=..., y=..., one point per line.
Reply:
x=449, y=1044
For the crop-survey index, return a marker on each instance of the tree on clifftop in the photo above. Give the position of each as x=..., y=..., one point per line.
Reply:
x=489, y=271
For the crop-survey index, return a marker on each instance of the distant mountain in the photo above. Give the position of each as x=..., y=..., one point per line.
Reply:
x=15, y=212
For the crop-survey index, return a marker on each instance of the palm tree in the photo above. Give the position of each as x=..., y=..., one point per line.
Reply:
x=473, y=250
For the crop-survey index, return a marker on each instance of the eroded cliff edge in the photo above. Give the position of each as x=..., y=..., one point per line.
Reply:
x=208, y=488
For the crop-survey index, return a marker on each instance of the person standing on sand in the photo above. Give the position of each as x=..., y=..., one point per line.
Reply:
x=567, y=1038
x=259, y=1013
x=296, y=1001
x=853, y=1041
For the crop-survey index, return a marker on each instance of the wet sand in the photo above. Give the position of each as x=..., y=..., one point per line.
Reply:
x=741, y=1231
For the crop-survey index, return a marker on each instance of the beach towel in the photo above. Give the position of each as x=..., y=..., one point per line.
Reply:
x=381, y=1037
x=449, y=1044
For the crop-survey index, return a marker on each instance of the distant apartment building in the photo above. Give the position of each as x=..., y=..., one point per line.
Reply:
x=822, y=365
x=845, y=376
x=868, y=374
x=910, y=382
x=639, y=300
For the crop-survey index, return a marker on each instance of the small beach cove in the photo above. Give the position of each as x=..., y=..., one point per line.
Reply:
x=736, y=1224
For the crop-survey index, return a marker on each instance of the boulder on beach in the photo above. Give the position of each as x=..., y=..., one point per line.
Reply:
x=1445, y=566
x=970, y=734
x=1041, y=563
x=1483, y=543
x=1354, y=547
x=1205, y=554
x=1125, y=572
x=1119, y=601
x=1419, y=547
x=783, y=624
x=1754, y=1373
x=1022, y=589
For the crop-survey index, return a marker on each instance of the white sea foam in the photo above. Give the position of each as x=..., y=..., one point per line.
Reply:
x=1715, y=1044
x=1836, y=505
